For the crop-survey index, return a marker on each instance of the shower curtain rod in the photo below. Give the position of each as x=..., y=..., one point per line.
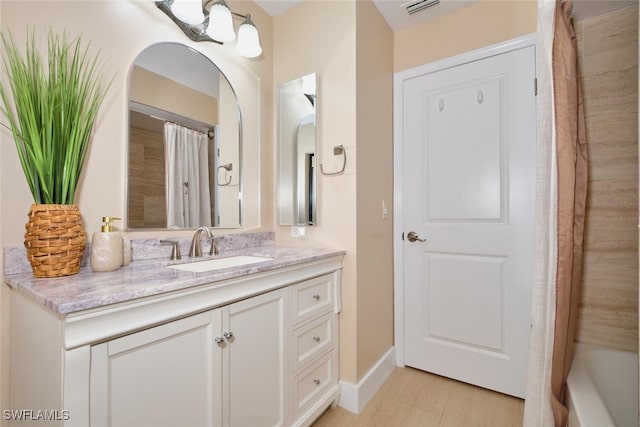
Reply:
x=167, y=116
x=209, y=132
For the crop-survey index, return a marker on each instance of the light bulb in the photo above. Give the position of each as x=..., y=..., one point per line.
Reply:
x=248, y=40
x=188, y=11
x=220, y=23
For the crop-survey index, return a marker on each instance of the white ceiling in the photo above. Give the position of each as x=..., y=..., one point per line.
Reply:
x=276, y=7
x=398, y=18
x=396, y=15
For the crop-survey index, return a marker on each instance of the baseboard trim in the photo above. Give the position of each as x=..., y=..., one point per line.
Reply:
x=353, y=398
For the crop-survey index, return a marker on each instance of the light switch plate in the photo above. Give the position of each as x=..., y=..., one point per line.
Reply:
x=298, y=231
x=385, y=210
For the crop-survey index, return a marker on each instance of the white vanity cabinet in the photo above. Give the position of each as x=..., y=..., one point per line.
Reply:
x=204, y=370
x=256, y=350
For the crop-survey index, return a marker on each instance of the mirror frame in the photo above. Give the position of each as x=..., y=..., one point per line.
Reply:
x=126, y=225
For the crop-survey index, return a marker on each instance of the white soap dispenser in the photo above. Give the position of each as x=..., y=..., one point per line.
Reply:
x=106, y=247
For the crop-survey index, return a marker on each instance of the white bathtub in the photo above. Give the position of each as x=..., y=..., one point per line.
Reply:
x=602, y=388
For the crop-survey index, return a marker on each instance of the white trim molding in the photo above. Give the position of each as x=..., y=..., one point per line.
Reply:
x=354, y=398
x=398, y=166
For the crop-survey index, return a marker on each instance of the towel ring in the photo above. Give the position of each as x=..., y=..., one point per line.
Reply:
x=227, y=168
x=337, y=151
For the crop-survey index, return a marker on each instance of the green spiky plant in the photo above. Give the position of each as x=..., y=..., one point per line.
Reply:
x=51, y=104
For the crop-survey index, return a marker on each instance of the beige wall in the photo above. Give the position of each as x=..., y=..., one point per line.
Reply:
x=121, y=30
x=152, y=89
x=302, y=45
x=134, y=26
x=354, y=64
x=471, y=27
x=374, y=126
x=608, y=55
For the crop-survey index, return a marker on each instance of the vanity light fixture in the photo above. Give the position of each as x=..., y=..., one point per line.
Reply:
x=212, y=21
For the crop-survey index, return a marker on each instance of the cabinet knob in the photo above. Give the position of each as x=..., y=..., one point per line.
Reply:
x=316, y=297
x=218, y=340
x=316, y=381
x=228, y=335
x=316, y=339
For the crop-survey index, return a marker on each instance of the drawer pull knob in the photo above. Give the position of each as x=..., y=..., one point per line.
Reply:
x=218, y=340
x=316, y=339
x=316, y=381
x=316, y=297
x=228, y=335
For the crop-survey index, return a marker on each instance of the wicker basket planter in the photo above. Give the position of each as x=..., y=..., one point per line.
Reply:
x=55, y=240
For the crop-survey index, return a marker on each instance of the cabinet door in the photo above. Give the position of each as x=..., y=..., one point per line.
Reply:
x=254, y=361
x=168, y=375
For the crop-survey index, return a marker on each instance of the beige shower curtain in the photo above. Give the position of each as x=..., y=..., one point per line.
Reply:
x=187, y=177
x=571, y=151
x=560, y=209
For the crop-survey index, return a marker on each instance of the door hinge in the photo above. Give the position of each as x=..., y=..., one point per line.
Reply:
x=535, y=86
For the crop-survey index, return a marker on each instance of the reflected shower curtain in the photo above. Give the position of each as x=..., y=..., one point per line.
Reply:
x=187, y=177
x=561, y=203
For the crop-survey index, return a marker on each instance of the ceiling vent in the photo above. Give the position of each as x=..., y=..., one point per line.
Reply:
x=416, y=6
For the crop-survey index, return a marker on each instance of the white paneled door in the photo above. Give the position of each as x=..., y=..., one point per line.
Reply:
x=469, y=138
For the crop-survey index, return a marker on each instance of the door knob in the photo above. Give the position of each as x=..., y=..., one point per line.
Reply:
x=413, y=237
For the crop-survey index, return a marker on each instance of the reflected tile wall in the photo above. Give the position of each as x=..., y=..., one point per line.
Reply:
x=147, y=205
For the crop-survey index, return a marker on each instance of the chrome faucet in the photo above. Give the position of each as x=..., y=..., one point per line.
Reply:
x=195, y=249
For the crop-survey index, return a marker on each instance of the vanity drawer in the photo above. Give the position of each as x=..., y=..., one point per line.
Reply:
x=315, y=381
x=313, y=339
x=312, y=298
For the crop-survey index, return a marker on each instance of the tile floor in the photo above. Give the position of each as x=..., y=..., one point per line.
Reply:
x=411, y=397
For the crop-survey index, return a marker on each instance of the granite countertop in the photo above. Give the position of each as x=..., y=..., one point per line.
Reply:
x=146, y=278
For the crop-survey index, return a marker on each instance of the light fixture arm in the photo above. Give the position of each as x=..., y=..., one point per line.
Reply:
x=196, y=33
x=240, y=15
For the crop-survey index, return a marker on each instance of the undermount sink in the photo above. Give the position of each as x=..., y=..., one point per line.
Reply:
x=219, y=263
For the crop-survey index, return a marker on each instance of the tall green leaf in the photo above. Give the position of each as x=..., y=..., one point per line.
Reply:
x=51, y=104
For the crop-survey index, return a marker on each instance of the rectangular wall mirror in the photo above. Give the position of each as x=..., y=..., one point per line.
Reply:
x=296, y=151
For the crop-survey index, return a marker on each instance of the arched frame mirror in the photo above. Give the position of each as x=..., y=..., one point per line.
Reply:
x=185, y=142
x=296, y=152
